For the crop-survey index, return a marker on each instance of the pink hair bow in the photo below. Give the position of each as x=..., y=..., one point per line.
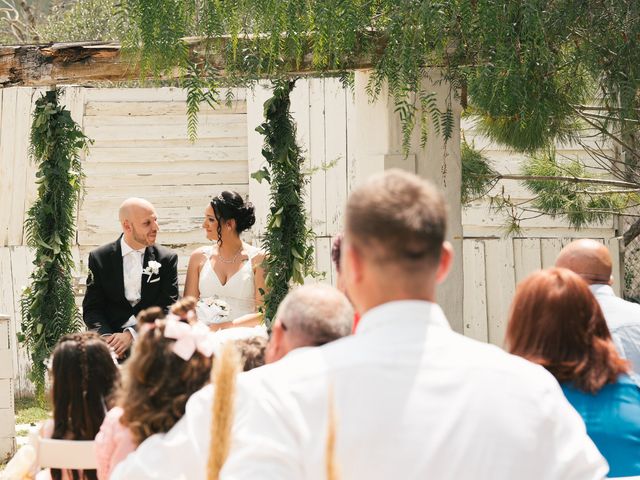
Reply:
x=189, y=338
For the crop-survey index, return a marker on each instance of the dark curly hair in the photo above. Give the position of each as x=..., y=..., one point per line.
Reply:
x=231, y=206
x=156, y=382
x=83, y=377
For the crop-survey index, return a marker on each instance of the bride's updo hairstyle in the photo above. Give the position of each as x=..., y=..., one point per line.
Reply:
x=231, y=206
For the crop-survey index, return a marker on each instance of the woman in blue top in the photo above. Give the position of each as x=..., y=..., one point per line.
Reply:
x=555, y=321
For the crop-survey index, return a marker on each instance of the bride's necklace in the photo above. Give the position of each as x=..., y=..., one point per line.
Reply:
x=232, y=260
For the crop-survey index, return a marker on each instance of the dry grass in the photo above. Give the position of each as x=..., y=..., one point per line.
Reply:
x=225, y=369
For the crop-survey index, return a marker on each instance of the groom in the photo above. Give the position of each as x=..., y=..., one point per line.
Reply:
x=129, y=275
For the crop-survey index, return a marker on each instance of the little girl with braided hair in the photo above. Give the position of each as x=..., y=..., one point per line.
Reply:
x=171, y=360
x=83, y=375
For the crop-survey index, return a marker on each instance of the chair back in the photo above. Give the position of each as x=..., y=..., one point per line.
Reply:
x=64, y=454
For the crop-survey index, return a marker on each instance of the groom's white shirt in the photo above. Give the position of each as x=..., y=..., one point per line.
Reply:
x=413, y=400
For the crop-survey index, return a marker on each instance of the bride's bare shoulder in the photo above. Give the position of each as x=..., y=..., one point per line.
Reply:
x=201, y=253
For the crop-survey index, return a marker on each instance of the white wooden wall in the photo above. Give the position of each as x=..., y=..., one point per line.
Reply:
x=7, y=418
x=494, y=264
x=140, y=148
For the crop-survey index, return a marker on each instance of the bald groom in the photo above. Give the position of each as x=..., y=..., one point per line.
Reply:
x=128, y=275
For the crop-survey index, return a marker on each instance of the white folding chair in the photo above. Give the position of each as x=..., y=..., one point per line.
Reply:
x=64, y=454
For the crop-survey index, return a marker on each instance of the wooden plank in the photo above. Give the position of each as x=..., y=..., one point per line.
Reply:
x=258, y=192
x=240, y=141
x=317, y=155
x=475, y=295
x=155, y=120
x=150, y=108
x=5, y=343
x=335, y=153
x=550, y=248
x=322, y=252
x=300, y=114
x=21, y=266
x=480, y=215
x=7, y=157
x=23, y=169
x=116, y=133
x=500, y=278
x=7, y=303
x=562, y=232
x=235, y=175
x=526, y=252
x=613, y=243
x=117, y=154
x=154, y=168
x=73, y=98
x=162, y=94
x=31, y=187
x=350, y=138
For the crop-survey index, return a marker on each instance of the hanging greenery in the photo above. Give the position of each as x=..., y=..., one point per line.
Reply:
x=48, y=305
x=288, y=241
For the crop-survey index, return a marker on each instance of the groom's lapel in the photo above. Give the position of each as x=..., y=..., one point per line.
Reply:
x=118, y=274
x=149, y=256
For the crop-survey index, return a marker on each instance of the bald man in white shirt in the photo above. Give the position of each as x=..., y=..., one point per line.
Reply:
x=412, y=398
x=592, y=261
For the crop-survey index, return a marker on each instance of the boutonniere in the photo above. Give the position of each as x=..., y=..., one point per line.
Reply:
x=153, y=268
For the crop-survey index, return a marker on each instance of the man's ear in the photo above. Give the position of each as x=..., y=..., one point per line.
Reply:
x=446, y=261
x=126, y=225
x=351, y=263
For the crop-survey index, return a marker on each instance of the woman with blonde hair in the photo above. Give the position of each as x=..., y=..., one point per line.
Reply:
x=556, y=322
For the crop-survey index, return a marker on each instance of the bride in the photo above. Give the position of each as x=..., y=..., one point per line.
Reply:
x=229, y=270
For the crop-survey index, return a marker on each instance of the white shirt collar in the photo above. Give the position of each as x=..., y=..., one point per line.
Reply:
x=383, y=315
x=126, y=249
x=602, y=289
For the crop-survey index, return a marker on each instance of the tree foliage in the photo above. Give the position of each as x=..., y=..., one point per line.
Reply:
x=288, y=241
x=48, y=304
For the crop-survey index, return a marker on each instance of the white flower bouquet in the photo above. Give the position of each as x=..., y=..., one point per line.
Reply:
x=211, y=310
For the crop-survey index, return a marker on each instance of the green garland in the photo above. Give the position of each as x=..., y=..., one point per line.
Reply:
x=48, y=304
x=288, y=242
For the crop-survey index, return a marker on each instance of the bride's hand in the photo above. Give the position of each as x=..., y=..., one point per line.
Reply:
x=220, y=326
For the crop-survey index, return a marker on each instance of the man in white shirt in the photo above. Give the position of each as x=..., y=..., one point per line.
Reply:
x=591, y=260
x=412, y=399
x=308, y=316
x=129, y=275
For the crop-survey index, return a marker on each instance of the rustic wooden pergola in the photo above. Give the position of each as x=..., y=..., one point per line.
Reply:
x=85, y=63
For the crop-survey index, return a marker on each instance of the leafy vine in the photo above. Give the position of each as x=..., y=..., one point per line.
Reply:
x=48, y=304
x=288, y=241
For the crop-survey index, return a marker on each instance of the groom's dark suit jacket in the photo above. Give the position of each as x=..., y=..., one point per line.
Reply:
x=105, y=307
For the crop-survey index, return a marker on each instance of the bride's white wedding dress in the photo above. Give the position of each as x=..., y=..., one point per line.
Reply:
x=238, y=292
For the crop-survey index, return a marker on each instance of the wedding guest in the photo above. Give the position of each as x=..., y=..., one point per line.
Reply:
x=252, y=352
x=406, y=396
x=185, y=309
x=556, y=322
x=83, y=375
x=230, y=269
x=591, y=260
x=308, y=316
x=167, y=366
x=129, y=275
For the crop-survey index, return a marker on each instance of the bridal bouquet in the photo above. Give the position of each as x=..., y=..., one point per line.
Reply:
x=212, y=310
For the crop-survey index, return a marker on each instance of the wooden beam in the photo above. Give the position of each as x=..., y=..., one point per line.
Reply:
x=63, y=63
x=85, y=63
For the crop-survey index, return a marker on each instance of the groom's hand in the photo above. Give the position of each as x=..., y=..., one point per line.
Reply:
x=120, y=342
